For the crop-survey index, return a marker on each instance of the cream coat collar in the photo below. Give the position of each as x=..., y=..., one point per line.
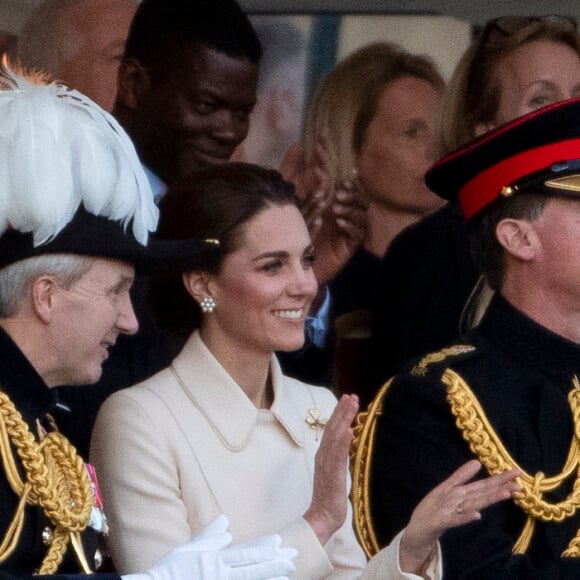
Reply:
x=226, y=407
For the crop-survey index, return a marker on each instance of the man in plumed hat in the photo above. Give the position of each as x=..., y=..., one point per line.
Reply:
x=509, y=393
x=76, y=212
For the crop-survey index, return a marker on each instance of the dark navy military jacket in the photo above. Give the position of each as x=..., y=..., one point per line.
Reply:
x=521, y=375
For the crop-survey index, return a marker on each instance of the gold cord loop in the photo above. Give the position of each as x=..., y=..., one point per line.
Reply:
x=489, y=449
x=55, y=480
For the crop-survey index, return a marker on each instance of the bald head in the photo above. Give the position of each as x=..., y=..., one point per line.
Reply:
x=79, y=42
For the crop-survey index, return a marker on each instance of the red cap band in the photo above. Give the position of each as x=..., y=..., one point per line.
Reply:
x=486, y=186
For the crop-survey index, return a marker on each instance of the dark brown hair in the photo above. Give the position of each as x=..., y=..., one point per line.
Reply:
x=215, y=203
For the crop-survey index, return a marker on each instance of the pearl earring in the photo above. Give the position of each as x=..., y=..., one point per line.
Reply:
x=207, y=305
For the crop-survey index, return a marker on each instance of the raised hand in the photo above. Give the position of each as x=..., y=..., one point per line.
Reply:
x=452, y=503
x=328, y=508
x=340, y=229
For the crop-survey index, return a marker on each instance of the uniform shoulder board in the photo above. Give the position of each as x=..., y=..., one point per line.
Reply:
x=455, y=351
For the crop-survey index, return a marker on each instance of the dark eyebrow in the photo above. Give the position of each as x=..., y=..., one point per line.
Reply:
x=217, y=96
x=279, y=255
x=282, y=254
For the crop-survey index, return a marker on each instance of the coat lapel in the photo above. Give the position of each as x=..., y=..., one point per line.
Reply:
x=207, y=404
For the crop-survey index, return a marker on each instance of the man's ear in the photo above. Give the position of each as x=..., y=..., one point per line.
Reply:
x=197, y=285
x=43, y=297
x=133, y=81
x=518, y=237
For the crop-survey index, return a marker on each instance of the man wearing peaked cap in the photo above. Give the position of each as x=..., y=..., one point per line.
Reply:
x=76, y=212
x=509, y=393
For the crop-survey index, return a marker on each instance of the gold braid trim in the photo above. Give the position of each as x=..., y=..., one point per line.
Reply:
x=420, y=369
x=361, y=459
x=55, y=480
x=489, y=449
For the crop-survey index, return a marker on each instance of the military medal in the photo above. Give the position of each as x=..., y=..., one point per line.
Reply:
x=98, y=519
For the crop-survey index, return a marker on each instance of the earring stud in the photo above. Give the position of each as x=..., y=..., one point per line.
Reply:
x=207, y=305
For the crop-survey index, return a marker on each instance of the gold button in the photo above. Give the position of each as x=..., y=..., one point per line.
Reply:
x=47, y=536
x=98, y=559
x=507, y=191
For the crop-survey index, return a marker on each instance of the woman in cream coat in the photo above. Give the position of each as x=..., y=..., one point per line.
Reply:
x=222, y=430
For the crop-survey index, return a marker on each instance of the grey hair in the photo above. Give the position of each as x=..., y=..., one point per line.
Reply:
x=44, y=43
x=40, y=43
x=16, y=278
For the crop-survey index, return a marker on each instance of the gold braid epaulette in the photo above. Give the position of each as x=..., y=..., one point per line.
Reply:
x=420, y=369
x=55, y=480
x=489, y=449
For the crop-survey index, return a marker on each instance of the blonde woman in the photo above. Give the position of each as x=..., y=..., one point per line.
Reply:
x=370, y=130
x=371, y=125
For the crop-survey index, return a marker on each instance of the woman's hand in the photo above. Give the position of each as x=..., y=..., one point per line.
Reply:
x=327, y=510
x=335, y=212
x=452, y=503
x=339, y=229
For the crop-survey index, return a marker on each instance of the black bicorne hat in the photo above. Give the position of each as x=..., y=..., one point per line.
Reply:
x=97, y=236
x=537, y=152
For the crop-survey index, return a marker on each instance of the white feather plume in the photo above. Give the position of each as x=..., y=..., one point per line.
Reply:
x=58, y=150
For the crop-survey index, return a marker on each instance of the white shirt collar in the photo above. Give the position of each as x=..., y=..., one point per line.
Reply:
x=158, y=186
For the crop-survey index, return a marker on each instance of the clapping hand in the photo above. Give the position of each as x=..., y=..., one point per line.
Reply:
x=327, y=511
x=452, y=503
x=335, y=210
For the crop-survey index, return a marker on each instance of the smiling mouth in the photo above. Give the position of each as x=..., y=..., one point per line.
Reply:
x=290, y=314
x=221, y=155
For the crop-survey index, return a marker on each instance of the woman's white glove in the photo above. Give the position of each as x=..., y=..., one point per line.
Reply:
x=208, y=557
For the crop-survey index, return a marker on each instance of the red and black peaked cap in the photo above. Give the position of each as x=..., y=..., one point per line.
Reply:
x=537, y=152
